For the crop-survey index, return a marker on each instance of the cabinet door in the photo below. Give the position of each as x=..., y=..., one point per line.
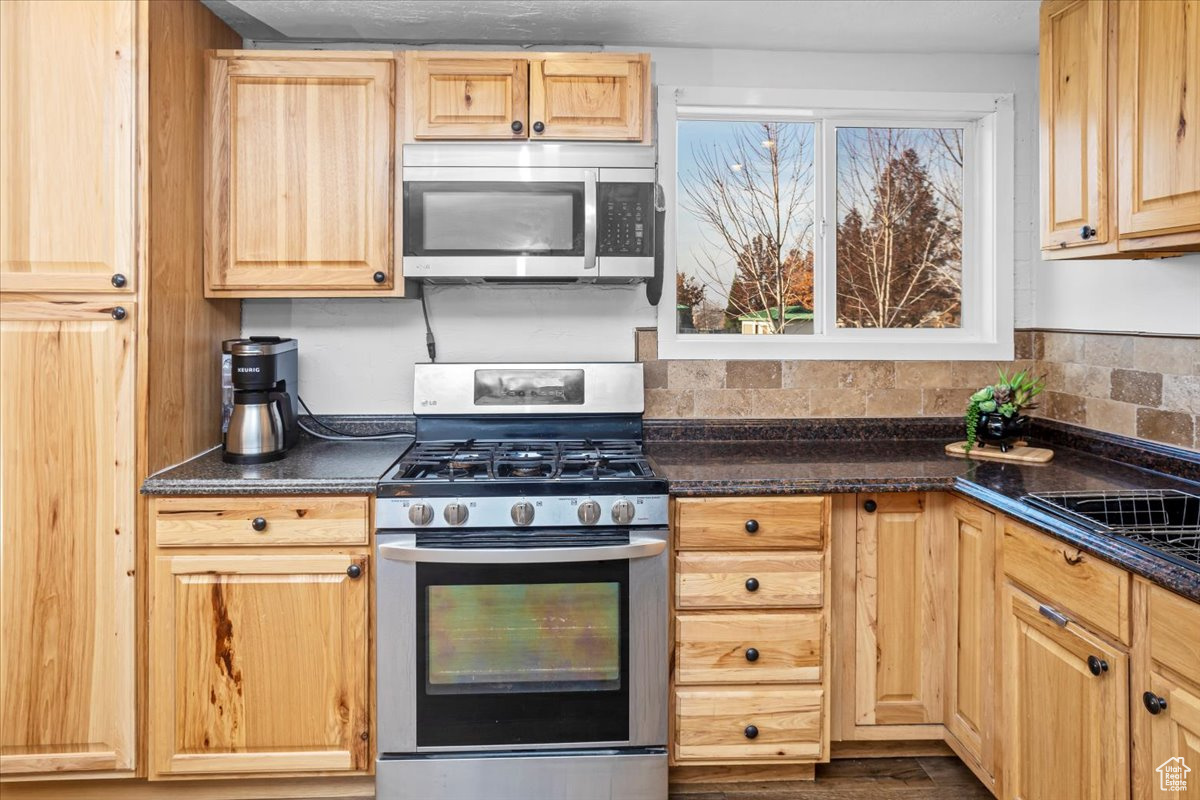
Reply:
x=67, y=540
x=67, y=145
x=970, y=670
x=467, y=98
x=1074, y=123
x=1159, y=117
x=898, y=640
x=299, y=192
x=258, y=664
x=1065, y=728
x=1174, y=734
x=588, y=96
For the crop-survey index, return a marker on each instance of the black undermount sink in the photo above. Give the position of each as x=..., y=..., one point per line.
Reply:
x=1165, y=521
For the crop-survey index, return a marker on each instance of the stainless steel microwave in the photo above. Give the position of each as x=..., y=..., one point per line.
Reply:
x=529, y=212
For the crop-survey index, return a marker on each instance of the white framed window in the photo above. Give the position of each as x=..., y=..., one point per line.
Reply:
x=836, y=224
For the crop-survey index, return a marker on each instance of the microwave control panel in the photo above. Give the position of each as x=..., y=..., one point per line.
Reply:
x=625, y=219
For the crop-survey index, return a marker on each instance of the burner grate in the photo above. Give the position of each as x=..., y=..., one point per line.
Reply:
x=570, y=459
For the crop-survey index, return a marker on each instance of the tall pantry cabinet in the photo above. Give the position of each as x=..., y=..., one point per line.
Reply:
x=102, y=316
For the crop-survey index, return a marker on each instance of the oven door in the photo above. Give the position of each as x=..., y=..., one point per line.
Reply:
x=487, y=643
x=499, y=222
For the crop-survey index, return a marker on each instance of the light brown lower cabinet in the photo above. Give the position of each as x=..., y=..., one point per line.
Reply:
x=971, y=649
x=259, y=663
x=1165, y=701
x=1065, y=706
x=750, y=677
x=67, y=537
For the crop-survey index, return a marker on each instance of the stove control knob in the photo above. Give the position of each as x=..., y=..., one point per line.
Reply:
x=622, y=512
x=420, y=514
x=589, y=512
x=455, y=513
x=522, y=514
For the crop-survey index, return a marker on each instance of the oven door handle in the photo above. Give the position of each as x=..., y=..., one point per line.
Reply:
x=638, y=547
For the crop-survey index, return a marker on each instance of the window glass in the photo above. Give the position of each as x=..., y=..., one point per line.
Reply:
x=899, y=227
x=746, y=227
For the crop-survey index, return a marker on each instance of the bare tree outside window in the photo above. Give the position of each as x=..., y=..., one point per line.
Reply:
x=899, y=231
x=748, y=189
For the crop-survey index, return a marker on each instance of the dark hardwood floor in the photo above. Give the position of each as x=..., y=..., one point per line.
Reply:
x=933, y=778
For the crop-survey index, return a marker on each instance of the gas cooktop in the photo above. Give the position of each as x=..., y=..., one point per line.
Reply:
x=475, y=461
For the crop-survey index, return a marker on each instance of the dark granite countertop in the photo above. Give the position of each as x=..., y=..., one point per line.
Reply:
x=313, y=466
x=774, y=466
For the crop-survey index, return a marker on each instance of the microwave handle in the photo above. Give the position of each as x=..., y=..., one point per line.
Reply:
x=589, y=219
x=638, y=547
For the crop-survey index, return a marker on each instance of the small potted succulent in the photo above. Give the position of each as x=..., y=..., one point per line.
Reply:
x=994, y=412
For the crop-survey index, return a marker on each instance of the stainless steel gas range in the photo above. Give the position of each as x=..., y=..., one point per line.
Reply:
x=522, y=590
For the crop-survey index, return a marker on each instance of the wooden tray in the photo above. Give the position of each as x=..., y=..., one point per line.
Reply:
x=1019, y=453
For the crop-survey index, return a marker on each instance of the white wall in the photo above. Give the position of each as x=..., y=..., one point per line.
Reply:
x=356, y=356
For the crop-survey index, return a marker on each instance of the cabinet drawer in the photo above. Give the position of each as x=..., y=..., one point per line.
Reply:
x=713, y=724
x=1175, y=632
x=748, y=648
x=235, y=521
x=739, y=580
x=1073, y=582
x=720, y=523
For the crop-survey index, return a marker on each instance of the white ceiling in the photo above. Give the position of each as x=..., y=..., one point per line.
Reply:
x=877, y=26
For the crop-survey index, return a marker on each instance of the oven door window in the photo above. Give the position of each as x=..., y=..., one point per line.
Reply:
x=454, y=218
x=522, y=654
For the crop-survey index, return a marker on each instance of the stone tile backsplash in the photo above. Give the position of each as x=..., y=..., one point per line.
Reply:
x=1142, y=386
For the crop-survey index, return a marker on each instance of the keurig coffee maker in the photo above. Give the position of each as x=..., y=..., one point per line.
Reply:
x=262, y=423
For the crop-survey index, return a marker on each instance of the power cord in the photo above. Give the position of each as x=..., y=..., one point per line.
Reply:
x=429, y=343
x=342, y=435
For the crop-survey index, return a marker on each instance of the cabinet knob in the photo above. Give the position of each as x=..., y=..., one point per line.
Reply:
x=1097, y=666
x=379, y=277
x=354, y=570
x=1087, y=232
x=538, y=127
x=751, y=732
x=751, y=654
x=119, y=313
x=517, y=126
x=259, y=524
x=119, y=281
x=751, y=584
x=869, y=506
x=1154, y=704
x=751, y=526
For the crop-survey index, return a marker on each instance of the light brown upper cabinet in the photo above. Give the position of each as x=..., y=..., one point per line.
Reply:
x=300, y=198
x=1159, y=121
x=584, y=96
x=68, y=146
x=1074, y=130
x=1118, y=128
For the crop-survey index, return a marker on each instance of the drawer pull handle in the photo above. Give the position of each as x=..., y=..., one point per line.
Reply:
x=1154, y=704
x=869, y=506
x=751, y=732
x=259, y=524
x=751, y=526
x=354, y=571
x=1052, y=615
x=1097, y=666
x=751, y=584
x=751, y=654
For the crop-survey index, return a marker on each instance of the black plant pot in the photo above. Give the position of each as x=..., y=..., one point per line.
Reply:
x=995, y=428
